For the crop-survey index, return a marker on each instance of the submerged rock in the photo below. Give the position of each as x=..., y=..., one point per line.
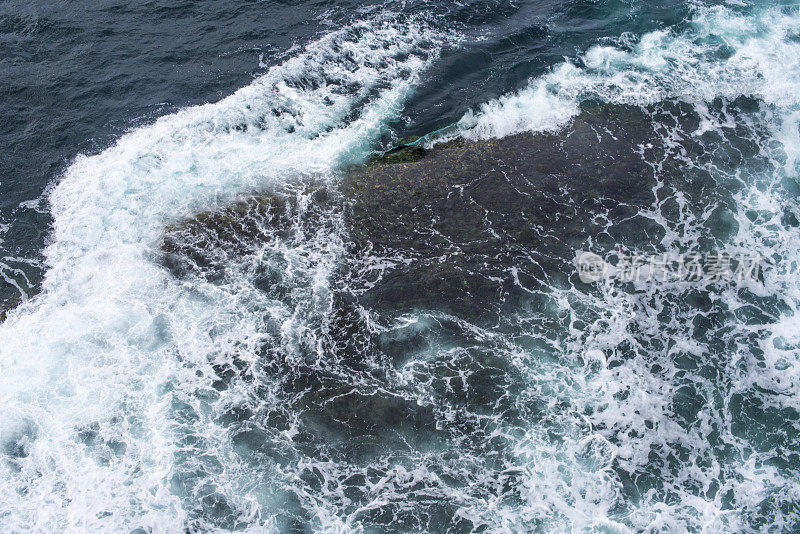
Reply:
x=464, y=213
x=436, y=338
x=203, y=244
x=484, y=223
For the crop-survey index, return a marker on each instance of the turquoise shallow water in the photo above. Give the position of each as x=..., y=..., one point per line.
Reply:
x=430, y=361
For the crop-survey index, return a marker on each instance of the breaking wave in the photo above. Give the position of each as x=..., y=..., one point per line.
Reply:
x=94, y=422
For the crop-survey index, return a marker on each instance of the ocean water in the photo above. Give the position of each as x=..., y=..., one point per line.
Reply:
x=259, y=369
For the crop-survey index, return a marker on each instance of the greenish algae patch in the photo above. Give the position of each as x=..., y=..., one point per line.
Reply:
x=402, y=154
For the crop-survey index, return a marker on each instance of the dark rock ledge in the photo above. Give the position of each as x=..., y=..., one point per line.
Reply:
x=481, y=223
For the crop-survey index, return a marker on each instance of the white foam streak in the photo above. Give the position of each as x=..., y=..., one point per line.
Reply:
x=723, y=54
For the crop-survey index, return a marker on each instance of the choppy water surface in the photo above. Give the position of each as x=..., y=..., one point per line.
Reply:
x=312, y=353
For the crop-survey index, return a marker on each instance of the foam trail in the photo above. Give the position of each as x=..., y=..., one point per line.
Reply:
x=89, y=364
x=721, y=54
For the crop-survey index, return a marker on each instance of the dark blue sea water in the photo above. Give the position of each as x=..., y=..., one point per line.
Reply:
x=280, y=394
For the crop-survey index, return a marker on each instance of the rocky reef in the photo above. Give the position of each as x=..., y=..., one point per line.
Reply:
x=483, y=223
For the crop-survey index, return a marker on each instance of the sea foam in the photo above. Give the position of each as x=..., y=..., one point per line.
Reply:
x=89, y=363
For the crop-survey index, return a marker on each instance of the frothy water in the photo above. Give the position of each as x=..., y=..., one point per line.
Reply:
x=721, y=54
x=243, y=385
x=672, y=392
x=93, y=363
